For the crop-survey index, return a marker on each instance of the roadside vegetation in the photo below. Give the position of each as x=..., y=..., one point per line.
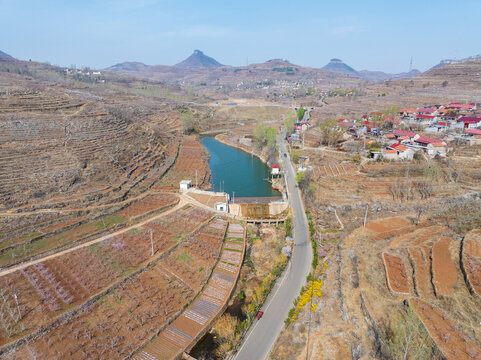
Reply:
x=300, y=113
x=265, y=138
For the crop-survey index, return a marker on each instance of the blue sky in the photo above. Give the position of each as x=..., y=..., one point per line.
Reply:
x=366, y=34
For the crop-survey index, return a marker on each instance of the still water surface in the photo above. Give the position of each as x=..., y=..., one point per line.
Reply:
x=235, y=170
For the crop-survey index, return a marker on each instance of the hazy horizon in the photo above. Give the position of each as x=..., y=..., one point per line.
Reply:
x=372, y=36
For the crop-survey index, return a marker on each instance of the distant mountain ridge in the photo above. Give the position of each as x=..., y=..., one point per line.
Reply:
x=337, y=65
x=199, y=60
x=5, y=54
x=453, y=61
x=200, y=67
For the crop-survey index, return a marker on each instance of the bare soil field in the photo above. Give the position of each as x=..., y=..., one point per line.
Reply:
x=472, y=260
x=364, y=287
x=396, y=274
x=48, y=289
x=147, y=205
x=191, y=164
x=192, y=324
x=444, y=270
x=134, y=310
x=453, y=343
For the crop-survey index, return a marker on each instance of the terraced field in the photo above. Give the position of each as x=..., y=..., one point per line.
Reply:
x=117, y=323
x=396, y=274
x=472, y=261
x=54, y=287
x=37, y=237
x=71, y=153
x=430, y=261
x=380, y=269
x=191, y=164
x=189, y=327
x=333, y=169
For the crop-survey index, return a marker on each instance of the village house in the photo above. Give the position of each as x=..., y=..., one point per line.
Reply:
x=473, y=136
x=408, y=112
x=275, y=169
x=403, y=152
x=404, y=135
x=389, y=154
x=425, y=111
x=457, y=106
x=469, y=122
x=432, y=147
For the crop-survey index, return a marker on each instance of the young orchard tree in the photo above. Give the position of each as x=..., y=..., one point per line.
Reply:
x=300, y=113
x=406, y=338
x=330, y=132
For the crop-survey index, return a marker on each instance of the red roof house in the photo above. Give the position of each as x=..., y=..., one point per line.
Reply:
x=399, y=133
x=473, y=131
x=469, y=120
x=422, y=116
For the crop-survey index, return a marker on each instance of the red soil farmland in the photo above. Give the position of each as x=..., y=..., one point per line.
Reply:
x=191, y=163
x=118, y=323
x=148, y=204
x=472, y=260
x=451, y=341
x=193, y=323
x=48, y=289
x=396, y=274
x=389, y=227
x=422, y=273
x=445, y=273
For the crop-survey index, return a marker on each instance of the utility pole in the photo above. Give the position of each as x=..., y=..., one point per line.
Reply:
x=365, y=216
x=152, y=242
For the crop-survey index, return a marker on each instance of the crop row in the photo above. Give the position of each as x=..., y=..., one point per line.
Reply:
x=118, y=323
x=70, y=279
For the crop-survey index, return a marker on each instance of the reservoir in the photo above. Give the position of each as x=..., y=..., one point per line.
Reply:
x=234, y=170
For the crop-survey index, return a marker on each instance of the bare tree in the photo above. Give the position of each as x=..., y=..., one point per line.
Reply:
x=10, y=314
x=406, y=338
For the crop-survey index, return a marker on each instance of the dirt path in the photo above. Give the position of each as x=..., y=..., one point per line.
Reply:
x=183, y=201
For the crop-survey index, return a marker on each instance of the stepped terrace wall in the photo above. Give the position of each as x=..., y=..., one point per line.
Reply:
x=184, y=332
x=50, y=289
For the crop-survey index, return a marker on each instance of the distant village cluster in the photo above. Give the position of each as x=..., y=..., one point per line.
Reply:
x=83, y=74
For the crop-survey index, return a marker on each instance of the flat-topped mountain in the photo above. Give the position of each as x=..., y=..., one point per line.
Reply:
x=5, y=54
x=199, y=60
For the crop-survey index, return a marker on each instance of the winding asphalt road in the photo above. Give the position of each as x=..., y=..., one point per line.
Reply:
x=263, y=334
